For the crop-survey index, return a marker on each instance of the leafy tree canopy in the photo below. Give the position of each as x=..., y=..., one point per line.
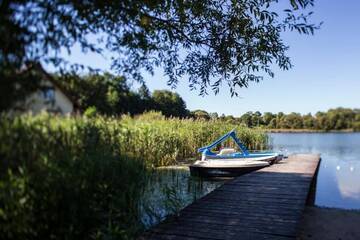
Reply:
x=208, y=41
x=108, y=94
x=200, y=114
x=169, y=103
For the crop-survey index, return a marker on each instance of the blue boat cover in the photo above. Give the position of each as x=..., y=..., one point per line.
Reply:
x=231, y=134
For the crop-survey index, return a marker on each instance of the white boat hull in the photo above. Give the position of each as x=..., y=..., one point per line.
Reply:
x=226, y=168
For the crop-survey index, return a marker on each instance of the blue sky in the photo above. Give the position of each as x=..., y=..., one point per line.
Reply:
x=325, y=73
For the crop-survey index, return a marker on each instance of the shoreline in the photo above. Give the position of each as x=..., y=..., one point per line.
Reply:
x=308, y=131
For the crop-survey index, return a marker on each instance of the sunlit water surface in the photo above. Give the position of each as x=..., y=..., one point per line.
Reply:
x=338, y=181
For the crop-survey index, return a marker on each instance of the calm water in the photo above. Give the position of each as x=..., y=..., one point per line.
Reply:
x=338, y=182
x=170, y=190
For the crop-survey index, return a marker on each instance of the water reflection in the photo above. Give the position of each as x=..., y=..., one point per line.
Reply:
x=170, y=190
x=338, y=183
x=348, y=181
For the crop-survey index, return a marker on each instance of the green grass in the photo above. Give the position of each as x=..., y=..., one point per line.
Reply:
x=83, y=178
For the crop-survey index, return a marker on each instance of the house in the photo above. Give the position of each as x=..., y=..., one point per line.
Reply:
x=50, y=97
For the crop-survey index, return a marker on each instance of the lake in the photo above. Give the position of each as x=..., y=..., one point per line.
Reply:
x=338, y=180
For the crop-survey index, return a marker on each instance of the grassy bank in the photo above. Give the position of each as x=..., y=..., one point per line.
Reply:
x=81, y=178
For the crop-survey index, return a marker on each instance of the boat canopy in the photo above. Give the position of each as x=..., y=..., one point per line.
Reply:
x=230, y=134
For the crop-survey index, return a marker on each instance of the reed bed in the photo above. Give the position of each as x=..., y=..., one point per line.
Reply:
x=166, y=141
x=81, y=178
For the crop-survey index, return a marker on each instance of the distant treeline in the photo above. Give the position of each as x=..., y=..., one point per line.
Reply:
x=334, y=119
x=107, y=94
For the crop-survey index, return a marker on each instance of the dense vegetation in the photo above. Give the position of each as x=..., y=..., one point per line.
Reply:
x=81, y=177
x=66, y=179
x=112, y=95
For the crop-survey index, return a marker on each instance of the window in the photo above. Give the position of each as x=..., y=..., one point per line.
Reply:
x=49, y=94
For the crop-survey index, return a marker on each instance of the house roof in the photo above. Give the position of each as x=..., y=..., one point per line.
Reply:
x=38, y=67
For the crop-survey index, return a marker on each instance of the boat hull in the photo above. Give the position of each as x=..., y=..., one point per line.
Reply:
x=208, y=172
x=226, y=167
x=270, y=159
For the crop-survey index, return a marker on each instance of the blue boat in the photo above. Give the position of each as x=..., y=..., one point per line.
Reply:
x=228, y=162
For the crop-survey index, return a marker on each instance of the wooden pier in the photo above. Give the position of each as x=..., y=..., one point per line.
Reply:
x=265, y=204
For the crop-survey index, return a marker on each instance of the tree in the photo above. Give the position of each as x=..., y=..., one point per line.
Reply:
x=110, y=94
x=267, y=118
x=294, y=120
x=279, y=120
x=257, y=119
x=169, y=103
x=214, y=115
x=144, y=92
x=200, y=114
x=321, y=122
x=309, y=121
x=230, y=119
x=146, y=102
x=272, y=124
x=231, y=41
x=247, y=119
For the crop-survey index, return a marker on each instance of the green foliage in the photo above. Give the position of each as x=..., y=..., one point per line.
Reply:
x=65, y=178
x=90, y=112
x=169, y=103
x=221, y=41
x=164, y=141
x=334, y=119
x=83, y=178
x=16, y=85
x=112, y=96
x=200, y=114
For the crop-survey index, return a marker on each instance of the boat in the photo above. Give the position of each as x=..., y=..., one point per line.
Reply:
x=222, y=168
x=228, y=162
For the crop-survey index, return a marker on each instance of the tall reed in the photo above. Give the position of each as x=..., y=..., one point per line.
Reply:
x=65, y=178
x=163, y=141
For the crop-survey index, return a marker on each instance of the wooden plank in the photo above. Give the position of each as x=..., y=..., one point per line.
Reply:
x=210, y=234
x=251, y=227
x=253, y=208
x=244, y=212
x=226, y=203
x=265, y=200
x=181, y=236
x=282, y=193
x=264, y=182
x=264, y=192
x=266, y=204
